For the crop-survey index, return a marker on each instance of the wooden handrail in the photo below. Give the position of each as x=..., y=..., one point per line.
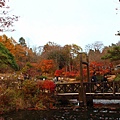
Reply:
x=91, y=87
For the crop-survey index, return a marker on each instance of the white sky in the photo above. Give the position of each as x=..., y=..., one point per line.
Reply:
x=81, y=22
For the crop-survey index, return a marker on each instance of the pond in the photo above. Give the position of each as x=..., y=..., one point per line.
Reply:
x=111, y=113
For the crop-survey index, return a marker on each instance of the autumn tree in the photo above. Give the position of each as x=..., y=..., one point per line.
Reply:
x=101, y=68
x=58, y=57
x=53, y=51
x=47, y=48
x=6, y=19
x=94, y=55
x=9, y=43
x=71, y=52
x=94, y=51
x=46, y=66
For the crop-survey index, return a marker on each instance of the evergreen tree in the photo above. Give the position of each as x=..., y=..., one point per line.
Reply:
x=113, y=54
x=6, y=58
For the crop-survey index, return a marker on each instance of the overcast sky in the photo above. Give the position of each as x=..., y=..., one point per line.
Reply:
x=81, y=22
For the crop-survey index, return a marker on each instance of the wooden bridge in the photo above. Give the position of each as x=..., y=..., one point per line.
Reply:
x=90, y=90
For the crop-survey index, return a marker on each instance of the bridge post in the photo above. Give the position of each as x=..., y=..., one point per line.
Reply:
x=88, y=74
x=82, y=94
x=113, y=88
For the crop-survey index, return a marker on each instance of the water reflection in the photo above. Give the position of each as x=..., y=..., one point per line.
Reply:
x=66, y=114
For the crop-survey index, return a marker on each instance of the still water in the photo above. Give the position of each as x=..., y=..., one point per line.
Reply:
x=66, y=114
x=101, y=110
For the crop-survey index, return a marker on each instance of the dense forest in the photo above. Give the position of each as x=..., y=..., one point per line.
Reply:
x=53, y=60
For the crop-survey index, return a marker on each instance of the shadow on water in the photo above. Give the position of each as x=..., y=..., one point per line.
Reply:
x=66, y=114
x=99, y=111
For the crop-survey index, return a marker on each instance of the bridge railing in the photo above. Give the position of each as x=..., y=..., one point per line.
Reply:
x=102, y=87
x=67, y=87
x=90, y=87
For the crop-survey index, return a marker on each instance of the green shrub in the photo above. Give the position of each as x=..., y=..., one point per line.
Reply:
x=117, y=78
x=41, y=77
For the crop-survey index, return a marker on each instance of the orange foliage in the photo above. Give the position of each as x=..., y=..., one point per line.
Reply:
x=46, y=66
x=100, y=68
x=8, y=43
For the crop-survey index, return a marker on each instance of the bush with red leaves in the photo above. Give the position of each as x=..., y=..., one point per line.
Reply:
x=49, y=85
